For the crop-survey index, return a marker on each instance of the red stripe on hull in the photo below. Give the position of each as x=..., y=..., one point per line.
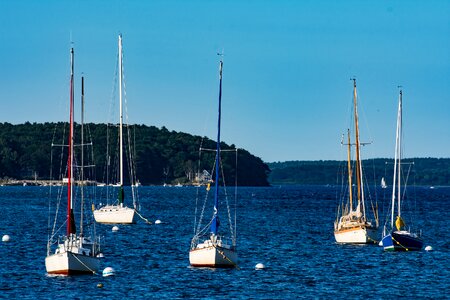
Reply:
x=213, y=266
x=69, y=272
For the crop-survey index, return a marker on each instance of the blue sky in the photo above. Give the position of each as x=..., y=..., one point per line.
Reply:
x=287, y=66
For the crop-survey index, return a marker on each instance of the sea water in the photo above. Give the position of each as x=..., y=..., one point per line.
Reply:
x=288, y=228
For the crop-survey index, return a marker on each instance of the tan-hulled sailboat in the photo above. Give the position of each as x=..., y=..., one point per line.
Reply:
x=352, y=225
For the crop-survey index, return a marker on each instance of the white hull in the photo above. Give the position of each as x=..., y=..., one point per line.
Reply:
x=356, y=235
x=68, y=263
x=213, y=256
x=115, y=214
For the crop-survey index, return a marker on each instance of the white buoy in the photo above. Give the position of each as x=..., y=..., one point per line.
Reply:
x=100, y=255
x=6, y=238
x=380, y=244
x=428, y=248
x=158, y=222
x=115, y=228
x=260, y=266
x=108, y=271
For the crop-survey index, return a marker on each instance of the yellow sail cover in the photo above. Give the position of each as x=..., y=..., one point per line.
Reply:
x=399, y=223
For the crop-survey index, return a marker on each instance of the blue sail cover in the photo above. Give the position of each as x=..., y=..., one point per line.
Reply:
x=215, y=221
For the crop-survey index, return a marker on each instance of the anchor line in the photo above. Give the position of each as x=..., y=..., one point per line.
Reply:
x=226, y=257
x=398, y=243
x=146, y=220
x=93, y=272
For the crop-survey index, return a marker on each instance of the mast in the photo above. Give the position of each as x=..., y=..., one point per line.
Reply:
x=121, y=194
x=399, y=150
x=82, y=155
x=350, y=189
x=358, y=158
x=215, y=221
x=396, y=159
x=70, y=217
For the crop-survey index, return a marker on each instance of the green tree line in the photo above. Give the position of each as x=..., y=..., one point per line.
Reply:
x=161, y=156
x=421, y=171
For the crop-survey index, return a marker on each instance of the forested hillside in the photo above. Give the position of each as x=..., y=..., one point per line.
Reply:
x=424, y=171
x=161, y=155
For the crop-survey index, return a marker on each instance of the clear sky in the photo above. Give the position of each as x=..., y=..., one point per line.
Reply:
x=287, y=65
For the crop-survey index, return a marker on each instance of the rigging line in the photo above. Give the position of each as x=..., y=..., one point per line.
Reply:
x=108, y=160
x=93, y=271
x=53, y=236
x=49, y=202
x=205, y=228
x=200, y=220
x=408, y=203
x=235, y=197
x=202, y=212
x=198, y=191
x=361, y=108
x=59, y=195
x=215, y=150
x=384, y=197
x=226, y=257
x=226, y=198
x=202, y=232
x=112, y=102
x=206, y=149
x=134, y=187
x=195, y=211
x=134, y=154
x=131, y=167
x=146, y=220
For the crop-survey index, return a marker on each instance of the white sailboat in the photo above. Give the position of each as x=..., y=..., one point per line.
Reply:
x=401, y=239
x=208, y=247
x=383, y=183
x=352, y=225
x=118, y=213
x=76, y=253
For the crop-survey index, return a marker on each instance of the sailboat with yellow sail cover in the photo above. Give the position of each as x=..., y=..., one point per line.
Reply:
x=352, y=225
x=401, y=239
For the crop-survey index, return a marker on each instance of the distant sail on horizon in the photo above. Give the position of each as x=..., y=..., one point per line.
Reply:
x=383, y=183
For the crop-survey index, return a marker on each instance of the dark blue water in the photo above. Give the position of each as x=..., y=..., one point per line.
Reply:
x=289, y=229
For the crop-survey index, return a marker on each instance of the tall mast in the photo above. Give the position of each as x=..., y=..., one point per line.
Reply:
x=358, y=158
x=397, y=160
x=70, y=217
x=215, y=221
x=400, y=117
x=350, y=189
x=120, y=122
x=82, y=155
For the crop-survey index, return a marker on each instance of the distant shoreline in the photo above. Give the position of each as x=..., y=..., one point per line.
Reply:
x=423, y=171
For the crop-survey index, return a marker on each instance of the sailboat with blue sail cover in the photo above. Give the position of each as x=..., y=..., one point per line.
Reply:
x=401, y=239
x=209, y=247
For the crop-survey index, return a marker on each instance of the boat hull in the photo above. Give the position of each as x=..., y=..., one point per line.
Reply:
x=402, y=241
x=213, y=257
x=69, y=263
x=115, y=214
x=356, y=235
